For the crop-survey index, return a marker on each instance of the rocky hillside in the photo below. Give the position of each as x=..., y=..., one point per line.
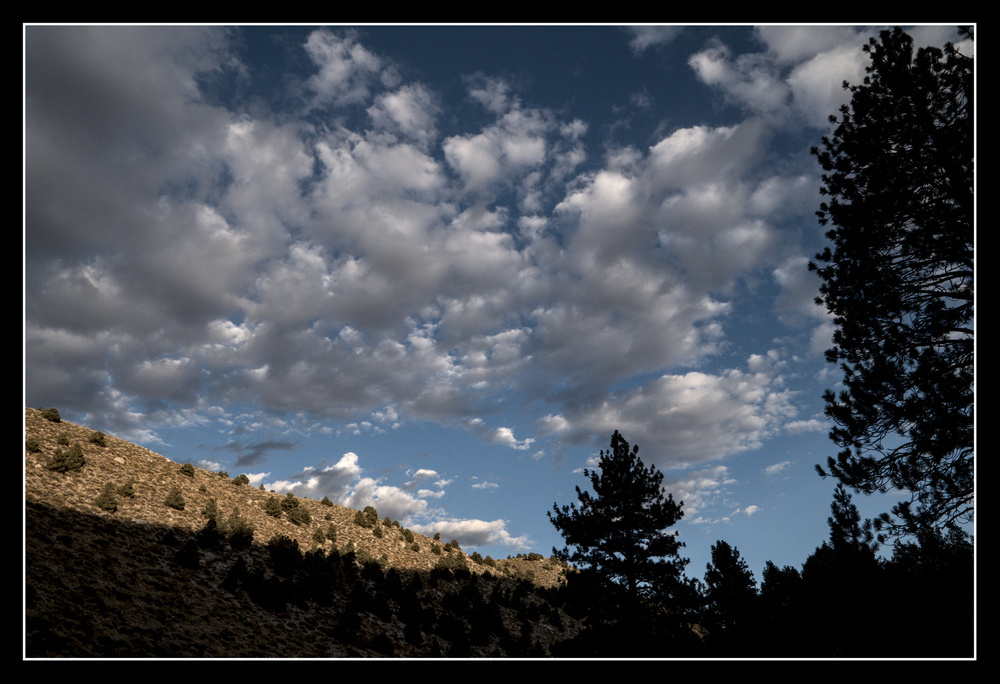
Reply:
x=129, y=554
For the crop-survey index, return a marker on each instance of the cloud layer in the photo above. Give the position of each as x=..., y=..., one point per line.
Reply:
x=341, y=257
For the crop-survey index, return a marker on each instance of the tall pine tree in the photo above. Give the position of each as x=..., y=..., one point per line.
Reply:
x=620, y=530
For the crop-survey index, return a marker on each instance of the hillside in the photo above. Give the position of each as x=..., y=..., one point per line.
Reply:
x=147, y=579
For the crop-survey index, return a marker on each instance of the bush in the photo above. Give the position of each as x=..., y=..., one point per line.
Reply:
x=107, y=501
x=326, y=501
x=32, y=445
x=187, y=469
x=210, y=537
x=299, y=516
x=62, y=439
x=377, y=531
x=371, y=514
x=239, y=531
x=284, y=554
x=65, y=461
x=98, y=438
x=289, y=502
x=453, y=562
x=241, y=479
x=331, y=533
x=175, y=499
x=408, y=536
x=52, y=414
x=211, y=509
x=223, y=473
x=361, y=520
x=319, y=537
x=127, y=490
x=273, y=507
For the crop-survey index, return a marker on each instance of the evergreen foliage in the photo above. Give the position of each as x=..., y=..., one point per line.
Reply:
x=620, y=530
x=239, y=531
x=68, y=460
x=107, y=500
x=127, y=489
x=273, y=507
x=898, y=172
x=175, y=499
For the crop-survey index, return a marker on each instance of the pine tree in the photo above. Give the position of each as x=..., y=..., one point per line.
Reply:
x=899, y=281
x=620, y=530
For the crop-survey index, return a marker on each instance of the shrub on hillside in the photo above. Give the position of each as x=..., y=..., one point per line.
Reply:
x=361, y=520
x=51, y=414
x=377, y=531
x=299, y=516
x=65, y=461
x=326, y=501
x=289, y=502
x=239, y=531
x=210, y=537
x=211, y=509
x=241, y=479
x=127, y=490
x=331, y=533
x=62, y=439
x=32, y=445
x=371, y=514
x=284, y=554
x=187, y=469
x=273, y=507
x=175, y=499
x=408, y=536
x=106, y=501
x=98, y=438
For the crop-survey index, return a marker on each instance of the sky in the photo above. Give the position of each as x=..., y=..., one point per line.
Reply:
x=432, y=269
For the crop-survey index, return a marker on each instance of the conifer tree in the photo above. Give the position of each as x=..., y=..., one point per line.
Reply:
x=899, y=281
x=620, y=530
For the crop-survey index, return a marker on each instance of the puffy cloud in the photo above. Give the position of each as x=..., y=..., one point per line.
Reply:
x=475, y=533
x=682, y=420
x=346, y=69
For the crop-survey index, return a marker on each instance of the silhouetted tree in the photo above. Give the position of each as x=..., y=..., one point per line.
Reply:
x=930, y=582
x=899, y=282
x=731, y=600
x=620, y=530
x=841, y=581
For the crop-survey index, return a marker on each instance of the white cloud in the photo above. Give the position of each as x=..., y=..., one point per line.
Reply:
x=475, y=533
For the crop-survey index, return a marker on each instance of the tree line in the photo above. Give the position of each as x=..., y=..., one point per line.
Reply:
x=898, y=280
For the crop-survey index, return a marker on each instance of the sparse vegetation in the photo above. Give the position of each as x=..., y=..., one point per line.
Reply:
x=67, y=460
x=175, y=499
x=127, y=490
x=273, y=507
x=51, y=414
x=107, y=500
x=98, y=438
x=187, y=469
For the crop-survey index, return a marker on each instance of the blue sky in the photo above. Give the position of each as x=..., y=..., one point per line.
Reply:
x=433, y=268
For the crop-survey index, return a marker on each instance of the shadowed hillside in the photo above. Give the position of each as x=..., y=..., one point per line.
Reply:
x=128, y=554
